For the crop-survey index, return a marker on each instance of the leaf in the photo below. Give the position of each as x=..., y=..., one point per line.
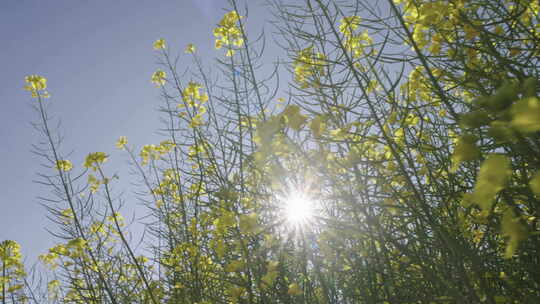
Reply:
x=235, y=266
x=294, y=119
x=317, y=126
x=248, y=223
x=266, y=130
x=494, y=172
x=220, y=249
x=269, y=278
x=474, y=119
x=294, y=289
x=465, y=150
x=503, y=97
x=535, y=183
x=530, y=86
x=502, y=132
x=236, y=292
x=513, y=230
x=526, y=115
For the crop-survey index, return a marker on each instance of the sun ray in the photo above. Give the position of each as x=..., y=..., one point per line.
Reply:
x=298, y=209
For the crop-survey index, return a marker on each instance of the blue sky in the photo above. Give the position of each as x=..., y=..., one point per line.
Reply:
x=98, y=59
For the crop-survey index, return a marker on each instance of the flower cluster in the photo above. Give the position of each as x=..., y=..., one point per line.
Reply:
x=159, y=78
x=159, y=44
x=228, y=33
x=190, y=48
x=168, y=186
x=121, y=142
x=354, y=42
x=155, y=152
x=12, y=267
x=348, y=25
x=94, y=183
x=308, y=64
x=74, y=248
x=64, y=165
x=36, y=85
x=192, y=98
x=94, y=159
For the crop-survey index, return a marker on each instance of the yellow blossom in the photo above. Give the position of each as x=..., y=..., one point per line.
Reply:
x=94, y=159
x=121, y=142
x=190, y=48
x=93, y=183
x=77, y=243
x=64, y=165
x=349, y=24
x=149, y=151
x=10, y=259
x=196, y=121
x=165, y=146
x=228, y=33
x=159, y=44
x=35, y=84
x=159, y=78
x=308, y=64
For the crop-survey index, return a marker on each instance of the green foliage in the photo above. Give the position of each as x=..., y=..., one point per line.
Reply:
x=465, y=150
x=493, y=175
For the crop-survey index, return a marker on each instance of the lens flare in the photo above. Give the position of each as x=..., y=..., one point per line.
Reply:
x=298, y=209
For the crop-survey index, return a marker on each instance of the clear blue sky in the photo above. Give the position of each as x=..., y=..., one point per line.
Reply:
x=98, y=58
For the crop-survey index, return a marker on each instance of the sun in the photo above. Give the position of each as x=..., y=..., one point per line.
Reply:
x=297, y=205
x=298, y=209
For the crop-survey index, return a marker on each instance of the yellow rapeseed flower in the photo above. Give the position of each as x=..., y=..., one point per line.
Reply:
x=349, y=24
x=35, y=84
x=121, y=142
x=228, y=33
x=306, y=65
x=10, y=258
x=159, y=78
x=149, y=152
x=159, y=44
x=166, y=146
x=93, y=183
x=190, y=48
x=94, y=159
x=64, y=165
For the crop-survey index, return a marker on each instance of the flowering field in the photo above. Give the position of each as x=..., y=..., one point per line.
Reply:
x=391, y=155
